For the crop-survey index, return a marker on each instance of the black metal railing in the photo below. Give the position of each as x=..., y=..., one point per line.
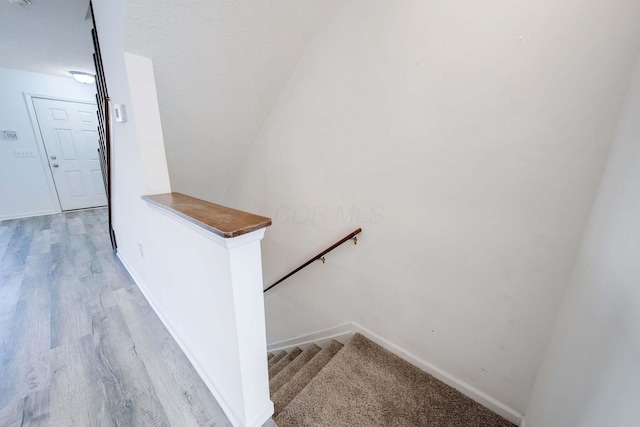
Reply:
x=104, y=125
x=320, y=256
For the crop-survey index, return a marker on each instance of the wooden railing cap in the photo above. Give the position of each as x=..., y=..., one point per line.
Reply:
x=221, y=220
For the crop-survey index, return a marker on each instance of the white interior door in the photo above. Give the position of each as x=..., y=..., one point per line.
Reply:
x=70, y=135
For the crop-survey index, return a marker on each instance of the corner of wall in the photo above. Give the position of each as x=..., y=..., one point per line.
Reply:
x=144, y=107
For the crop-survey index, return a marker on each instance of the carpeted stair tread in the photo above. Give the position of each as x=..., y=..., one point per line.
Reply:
x=366, y=385
x=275, y=359
x=282, y=363
x=290, y=370
x=291, y=388
x=270, y=355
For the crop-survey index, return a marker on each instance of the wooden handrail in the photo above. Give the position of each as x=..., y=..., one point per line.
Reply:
x=320, y=256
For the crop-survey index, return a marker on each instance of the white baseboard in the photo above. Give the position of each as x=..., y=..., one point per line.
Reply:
x=264, y=416
x=208, y=382
x=344, y=331
x=468, y=390
x=28, y=215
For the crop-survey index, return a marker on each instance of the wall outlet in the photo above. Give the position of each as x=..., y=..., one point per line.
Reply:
x=141, y=249
x=24, y=153
x=9, y=134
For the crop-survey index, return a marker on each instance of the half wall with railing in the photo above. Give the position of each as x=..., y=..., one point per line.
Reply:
x=203, y=277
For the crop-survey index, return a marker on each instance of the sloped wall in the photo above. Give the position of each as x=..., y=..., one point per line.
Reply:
x=220, y=66
x=590, y=376
x=467, y=139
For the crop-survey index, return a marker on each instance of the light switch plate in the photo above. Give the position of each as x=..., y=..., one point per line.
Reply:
x=119, y=113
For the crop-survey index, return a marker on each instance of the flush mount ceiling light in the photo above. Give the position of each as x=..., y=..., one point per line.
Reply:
x=20, y=2
x=86, y=78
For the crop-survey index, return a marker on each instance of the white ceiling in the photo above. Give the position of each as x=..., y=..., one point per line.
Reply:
x=47, y=36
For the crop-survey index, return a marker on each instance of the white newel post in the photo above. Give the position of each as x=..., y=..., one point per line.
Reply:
x=245, y=265
x=207, y=289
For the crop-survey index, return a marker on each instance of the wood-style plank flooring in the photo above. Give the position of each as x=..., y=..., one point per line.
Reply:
x=79, y=344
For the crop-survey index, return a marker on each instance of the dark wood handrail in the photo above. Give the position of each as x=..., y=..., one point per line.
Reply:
x=320, y=256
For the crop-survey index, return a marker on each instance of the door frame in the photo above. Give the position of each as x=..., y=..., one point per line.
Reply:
x=42, y=152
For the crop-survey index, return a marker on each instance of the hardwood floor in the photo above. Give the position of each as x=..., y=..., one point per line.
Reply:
x=79, y=344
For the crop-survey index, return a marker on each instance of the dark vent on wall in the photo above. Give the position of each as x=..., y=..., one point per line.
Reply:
x=104, y=125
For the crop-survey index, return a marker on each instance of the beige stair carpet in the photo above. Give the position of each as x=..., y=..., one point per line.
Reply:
x=291, y=388
x=365, y=385
x=270, y=355
x=292, y=368
x=282, y=363
x=275, y=359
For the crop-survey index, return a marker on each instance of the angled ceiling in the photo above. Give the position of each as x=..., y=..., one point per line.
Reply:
x=220, y=67
x=47, y=36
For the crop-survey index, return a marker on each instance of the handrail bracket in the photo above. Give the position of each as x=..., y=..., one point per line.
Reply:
x=320, y=256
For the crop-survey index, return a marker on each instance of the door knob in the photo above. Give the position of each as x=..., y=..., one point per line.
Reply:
x=53, y=157
x=55, y=165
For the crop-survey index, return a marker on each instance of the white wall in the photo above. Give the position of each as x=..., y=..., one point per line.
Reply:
x=220, y=66
x=467, y=139
x=149, y=137
x=591, y=376
x=138, y=162
x=184, y=275
x=26, y=186
x=208, y=291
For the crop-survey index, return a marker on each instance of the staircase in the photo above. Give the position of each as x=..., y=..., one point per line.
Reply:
x=362, y=384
